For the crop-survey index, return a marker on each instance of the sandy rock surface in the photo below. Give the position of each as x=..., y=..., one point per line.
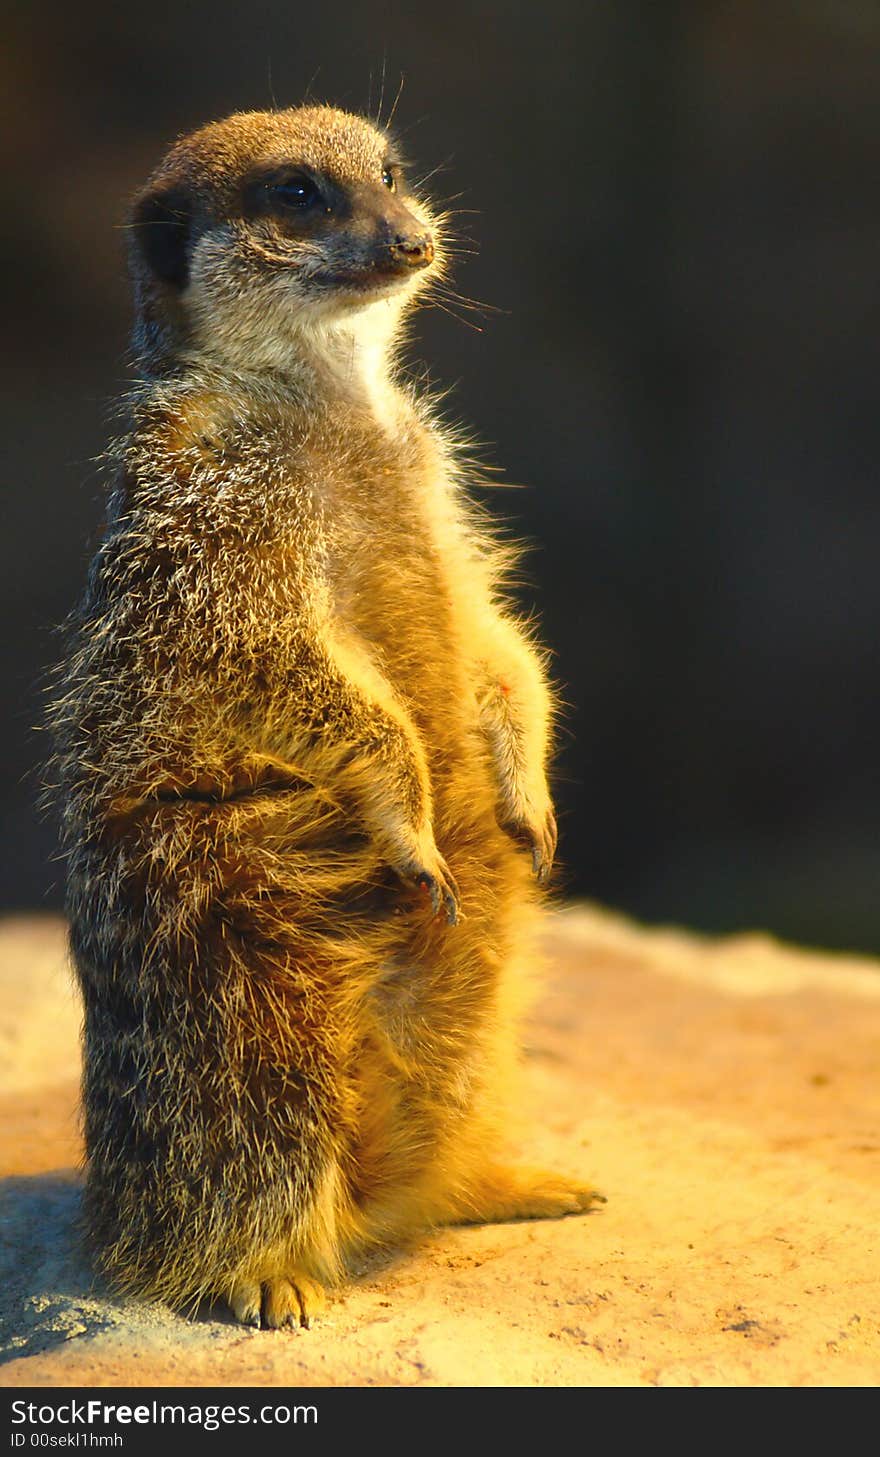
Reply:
x=723, y=1095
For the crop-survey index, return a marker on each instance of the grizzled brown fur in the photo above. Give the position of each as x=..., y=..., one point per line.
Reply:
x=300, y=749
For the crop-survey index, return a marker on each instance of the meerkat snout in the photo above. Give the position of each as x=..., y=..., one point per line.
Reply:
x=378, y=234
x=413, y=252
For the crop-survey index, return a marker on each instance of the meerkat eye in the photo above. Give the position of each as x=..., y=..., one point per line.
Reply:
x=295, y=194
x=388, y=178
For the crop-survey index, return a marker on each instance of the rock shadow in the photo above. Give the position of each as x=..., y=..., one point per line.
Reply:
x=48, y=1294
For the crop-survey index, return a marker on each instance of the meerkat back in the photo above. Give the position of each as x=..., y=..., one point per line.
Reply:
x=301, y=745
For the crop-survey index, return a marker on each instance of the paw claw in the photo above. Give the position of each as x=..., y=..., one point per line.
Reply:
x=442, y=889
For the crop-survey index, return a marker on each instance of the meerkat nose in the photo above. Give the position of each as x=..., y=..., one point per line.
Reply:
x=412, y=251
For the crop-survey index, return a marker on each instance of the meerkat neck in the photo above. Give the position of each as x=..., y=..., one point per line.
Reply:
x=352, y=361
x=321, y=363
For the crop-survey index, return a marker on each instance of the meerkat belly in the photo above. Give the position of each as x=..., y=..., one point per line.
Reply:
x=396, y=596
x=394, y=593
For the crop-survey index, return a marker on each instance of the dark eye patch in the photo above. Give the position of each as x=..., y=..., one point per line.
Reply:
x=298, y=193
x=287, y=192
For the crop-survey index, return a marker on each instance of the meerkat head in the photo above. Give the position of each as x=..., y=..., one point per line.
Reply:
x=271, y=230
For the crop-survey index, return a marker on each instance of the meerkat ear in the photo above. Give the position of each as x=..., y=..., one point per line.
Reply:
x=161, y=223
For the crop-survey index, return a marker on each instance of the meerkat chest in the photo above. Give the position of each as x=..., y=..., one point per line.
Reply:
x=389, y=560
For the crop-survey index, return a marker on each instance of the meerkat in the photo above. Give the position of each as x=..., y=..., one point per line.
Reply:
x=301, y=745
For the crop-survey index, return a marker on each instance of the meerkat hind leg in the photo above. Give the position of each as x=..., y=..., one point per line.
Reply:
x=504, y=1194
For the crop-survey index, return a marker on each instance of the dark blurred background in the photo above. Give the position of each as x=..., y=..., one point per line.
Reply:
x=678, y=216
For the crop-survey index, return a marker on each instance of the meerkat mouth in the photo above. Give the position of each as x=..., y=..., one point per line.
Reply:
x=376, y=279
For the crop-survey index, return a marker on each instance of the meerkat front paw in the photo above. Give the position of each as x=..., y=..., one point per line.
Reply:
x=412, y=853
x=536, y=829
x=424, y=866
x=285, y=1300
x=440, y=884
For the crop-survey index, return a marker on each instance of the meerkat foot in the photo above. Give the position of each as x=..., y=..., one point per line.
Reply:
x=293, y=1300
x=506, y=1194
x=245, y=1299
